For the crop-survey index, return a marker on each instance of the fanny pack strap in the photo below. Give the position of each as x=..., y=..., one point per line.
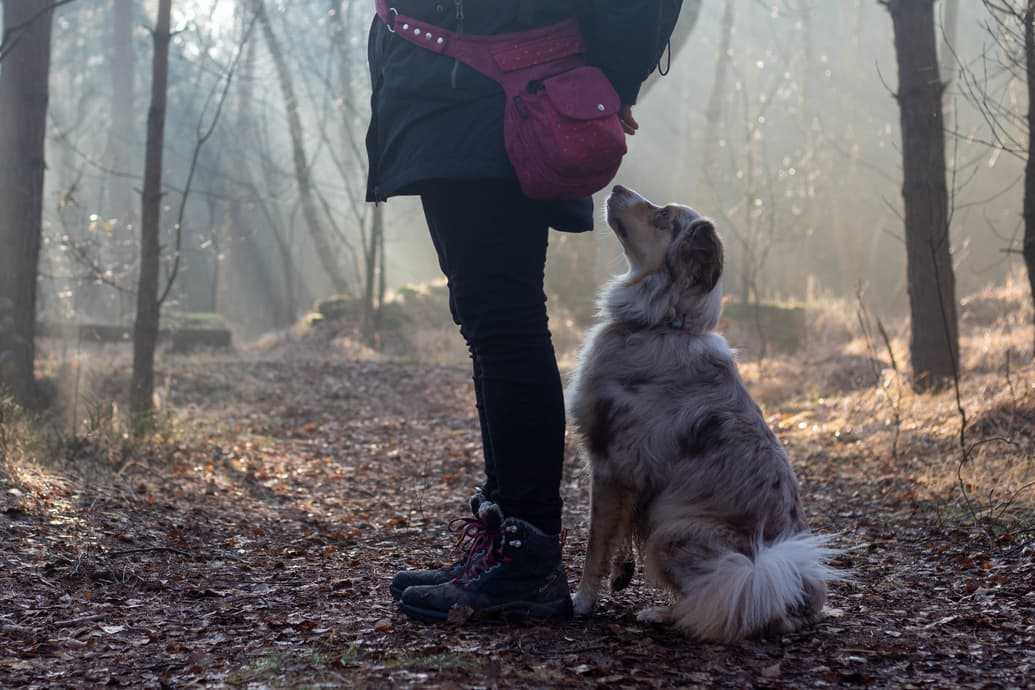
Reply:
x=477, y=51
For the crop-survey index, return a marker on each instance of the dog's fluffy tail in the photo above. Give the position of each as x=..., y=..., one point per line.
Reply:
x=735, y=596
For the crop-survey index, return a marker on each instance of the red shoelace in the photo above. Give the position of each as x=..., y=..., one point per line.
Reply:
x=474, y=539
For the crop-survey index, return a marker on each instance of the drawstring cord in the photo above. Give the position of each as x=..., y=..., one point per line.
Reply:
x=668, y=66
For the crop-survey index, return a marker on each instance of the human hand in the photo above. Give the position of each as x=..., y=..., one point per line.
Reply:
x=629, y=123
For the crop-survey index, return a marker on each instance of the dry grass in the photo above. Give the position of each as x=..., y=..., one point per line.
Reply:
x=843, y=395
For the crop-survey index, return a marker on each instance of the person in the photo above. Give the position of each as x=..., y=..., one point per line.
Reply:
x=436, y=131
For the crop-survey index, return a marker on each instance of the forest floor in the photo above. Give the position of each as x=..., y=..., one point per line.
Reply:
x=251, y=543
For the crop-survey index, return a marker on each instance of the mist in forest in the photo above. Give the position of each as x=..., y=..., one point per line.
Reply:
x=777, y=119
x=234, y=403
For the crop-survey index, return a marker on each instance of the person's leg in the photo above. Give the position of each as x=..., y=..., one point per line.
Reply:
x=483, y=507
x=491, y=486
x=495, y=241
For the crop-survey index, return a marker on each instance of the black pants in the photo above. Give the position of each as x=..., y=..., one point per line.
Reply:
x=491, y=242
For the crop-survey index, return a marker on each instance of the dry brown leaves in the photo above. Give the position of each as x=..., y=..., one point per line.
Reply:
x=261, y=553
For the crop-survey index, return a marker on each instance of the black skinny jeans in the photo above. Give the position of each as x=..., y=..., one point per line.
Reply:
x=491, y=242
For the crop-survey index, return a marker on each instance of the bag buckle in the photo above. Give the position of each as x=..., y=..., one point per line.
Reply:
x=393, y=14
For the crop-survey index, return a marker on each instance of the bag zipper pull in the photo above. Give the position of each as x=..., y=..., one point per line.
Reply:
x=459, y=32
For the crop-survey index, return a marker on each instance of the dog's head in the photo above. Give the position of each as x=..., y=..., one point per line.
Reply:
x=675, y=263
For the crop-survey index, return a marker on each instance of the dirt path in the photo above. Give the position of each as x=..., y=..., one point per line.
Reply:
x=258, y=548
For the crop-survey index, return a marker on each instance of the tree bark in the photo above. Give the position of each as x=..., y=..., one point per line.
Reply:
x=123, y=78
x=1029, y=168
x=950, y=31
x=373, y=264
x=934, y=342
x=324, y=248
x=123, y=67
x=24, y=96
x=145, y=331
x=382, y=280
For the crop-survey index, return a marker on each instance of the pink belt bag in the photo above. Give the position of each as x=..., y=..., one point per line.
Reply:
x=560, y=125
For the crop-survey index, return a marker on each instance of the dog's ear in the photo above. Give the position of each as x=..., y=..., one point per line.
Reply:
x=695, y=257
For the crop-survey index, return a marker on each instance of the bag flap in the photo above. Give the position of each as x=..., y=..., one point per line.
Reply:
x=539, y=51
x=584, y=93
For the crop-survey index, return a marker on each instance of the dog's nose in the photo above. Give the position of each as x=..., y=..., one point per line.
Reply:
x=619, y=189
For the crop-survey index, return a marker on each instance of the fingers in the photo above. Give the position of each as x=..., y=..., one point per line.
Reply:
x=629, y=123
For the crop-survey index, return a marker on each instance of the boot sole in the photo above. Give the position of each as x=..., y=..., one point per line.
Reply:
x=516, y=611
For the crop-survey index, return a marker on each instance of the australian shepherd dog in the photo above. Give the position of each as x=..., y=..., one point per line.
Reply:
x=683, y=464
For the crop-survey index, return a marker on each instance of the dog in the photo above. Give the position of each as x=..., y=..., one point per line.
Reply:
x=683, y=463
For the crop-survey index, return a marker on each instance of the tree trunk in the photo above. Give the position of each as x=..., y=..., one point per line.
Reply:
x=145, y=332
x=123, y=64
x=950, y=30
x=24, y=97
x=120, y=132
x=1029, y=168
x=248, y=266
x=934, y=343
x=382, y=283
x=324, y=248
x=372, y=251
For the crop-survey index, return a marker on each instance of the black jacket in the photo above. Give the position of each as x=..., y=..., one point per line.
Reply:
x=434, y=118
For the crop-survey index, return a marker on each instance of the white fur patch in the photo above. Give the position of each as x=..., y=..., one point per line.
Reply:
x=737, y=596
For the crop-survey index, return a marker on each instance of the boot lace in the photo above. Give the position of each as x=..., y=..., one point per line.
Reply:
x=480, y=546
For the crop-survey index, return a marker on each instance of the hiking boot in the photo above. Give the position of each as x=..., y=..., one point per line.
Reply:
x=476, y=537
x=520, y=578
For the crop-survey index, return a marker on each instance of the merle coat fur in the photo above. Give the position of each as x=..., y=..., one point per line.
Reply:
x=683, y=463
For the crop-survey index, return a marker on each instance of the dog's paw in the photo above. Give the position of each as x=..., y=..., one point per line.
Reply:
x=584, y=603
x=623, y=577
x=655, y=615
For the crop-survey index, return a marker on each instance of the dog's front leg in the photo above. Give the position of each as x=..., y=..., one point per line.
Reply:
x=610, y=509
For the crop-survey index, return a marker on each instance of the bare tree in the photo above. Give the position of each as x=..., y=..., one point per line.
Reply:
x=747, y=192
x=376, y=280
x=1029, y=168
x=14, y=33
x=121, y=202
x=324, y=247
x=934, y=342
x=122, y=65
x=950, y=30
x=24, y=96
x=245, y=260
x=1011, y=27
x=145, y=332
